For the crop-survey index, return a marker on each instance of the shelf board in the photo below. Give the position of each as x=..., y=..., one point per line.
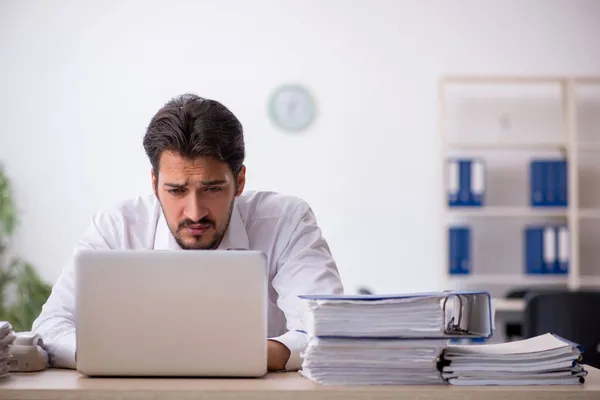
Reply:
x=519, y=79
x=509, y=279
x=588, y=146
x=589, y=281
x=508, y=305
x=502, y=79
x=505, y=146
x=587, y=79
x=506, y=212
x=589, y=213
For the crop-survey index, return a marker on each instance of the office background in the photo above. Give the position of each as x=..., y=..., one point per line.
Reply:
x=81, y=79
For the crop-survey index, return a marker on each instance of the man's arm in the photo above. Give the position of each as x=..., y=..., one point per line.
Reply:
x=277, y=355
x=56, y=322
x=305, y=266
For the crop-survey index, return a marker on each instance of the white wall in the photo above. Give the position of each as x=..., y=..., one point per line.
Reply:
x=79, y=81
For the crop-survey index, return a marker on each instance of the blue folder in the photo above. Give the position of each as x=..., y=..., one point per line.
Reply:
x=548, y=183
x=534, y=250
x=546, y=249
x=459, y=249
x=477, y=184
x=467, y=186
x=536, y=181
x=562, y=183
x=561, y=265
x=464, y=191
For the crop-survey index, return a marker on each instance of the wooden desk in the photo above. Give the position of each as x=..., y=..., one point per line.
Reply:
x=65, y=385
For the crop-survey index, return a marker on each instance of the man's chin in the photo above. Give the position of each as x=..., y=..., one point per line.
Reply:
x=196, y=244
x=192, y=245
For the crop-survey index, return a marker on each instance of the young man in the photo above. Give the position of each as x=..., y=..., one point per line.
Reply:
x=196, y=149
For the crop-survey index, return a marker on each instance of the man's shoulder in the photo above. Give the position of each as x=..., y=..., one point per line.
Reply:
x=126, y=224
x=137, y=210
x=260, y=204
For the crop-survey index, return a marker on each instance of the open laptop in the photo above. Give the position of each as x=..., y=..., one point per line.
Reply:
x=171, y=313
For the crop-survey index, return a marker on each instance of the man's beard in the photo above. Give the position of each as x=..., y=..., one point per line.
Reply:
x=217, y=236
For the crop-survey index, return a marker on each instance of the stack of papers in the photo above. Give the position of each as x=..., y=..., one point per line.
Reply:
x=339, y=361
x=372, y=316
x=7, y=337
x=371, y=340
x=543, y=360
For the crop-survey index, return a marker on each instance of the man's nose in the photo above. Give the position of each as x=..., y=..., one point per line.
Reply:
x=195, y=209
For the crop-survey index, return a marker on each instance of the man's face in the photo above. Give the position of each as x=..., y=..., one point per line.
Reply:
x=196, y=196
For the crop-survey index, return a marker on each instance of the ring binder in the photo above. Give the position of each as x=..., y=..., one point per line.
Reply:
x=426, y=315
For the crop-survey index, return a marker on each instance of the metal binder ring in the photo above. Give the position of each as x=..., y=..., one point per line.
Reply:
x=451, y=327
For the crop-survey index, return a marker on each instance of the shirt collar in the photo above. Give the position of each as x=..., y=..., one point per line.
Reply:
x=236, y=237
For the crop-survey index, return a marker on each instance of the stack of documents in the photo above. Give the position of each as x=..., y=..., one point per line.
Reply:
x=339, y=361
x=397, y=339
x=543, y=360
x=7, y=337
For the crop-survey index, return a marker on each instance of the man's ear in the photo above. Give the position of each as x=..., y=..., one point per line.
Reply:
x=241, y=181
x=154, y=182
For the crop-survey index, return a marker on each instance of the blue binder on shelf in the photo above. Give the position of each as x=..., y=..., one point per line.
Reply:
x=458, y=314
x=546, y=250
x=549, y=250
x=477, y=182
x=562, y=247
x=466, y=182
x=548, y=181
x=536, y=179
x=459, y=249
x=464, y=192
x=534, y=245
x=562, y=183
x=551, y=184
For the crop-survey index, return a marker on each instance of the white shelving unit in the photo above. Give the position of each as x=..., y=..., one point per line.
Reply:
x=568, y=141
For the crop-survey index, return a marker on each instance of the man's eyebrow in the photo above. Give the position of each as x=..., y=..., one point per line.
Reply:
x=214, y=182
x=175, y=185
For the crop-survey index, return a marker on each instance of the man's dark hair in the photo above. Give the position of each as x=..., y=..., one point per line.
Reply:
x=192, y=126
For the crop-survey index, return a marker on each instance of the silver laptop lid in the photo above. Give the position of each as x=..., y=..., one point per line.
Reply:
x=171, y=313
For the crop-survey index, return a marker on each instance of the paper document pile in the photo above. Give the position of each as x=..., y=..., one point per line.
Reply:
x=542, y=360
x=7, y=337
x=362, y=340
x=338, y=361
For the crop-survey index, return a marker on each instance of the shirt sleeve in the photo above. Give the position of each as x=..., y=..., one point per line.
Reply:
x=305, y=266
x=56, y=322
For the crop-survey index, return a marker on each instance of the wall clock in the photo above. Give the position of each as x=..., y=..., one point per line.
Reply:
x=292, y=108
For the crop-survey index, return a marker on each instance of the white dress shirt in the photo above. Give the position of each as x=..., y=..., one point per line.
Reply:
x=283, y=227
